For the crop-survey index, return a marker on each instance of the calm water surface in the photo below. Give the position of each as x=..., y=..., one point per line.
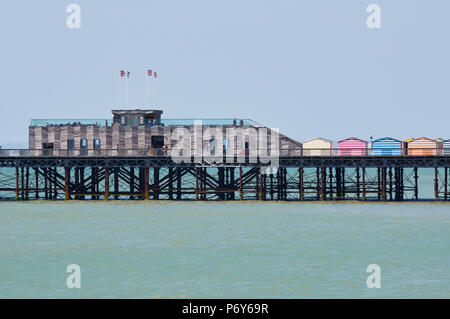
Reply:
x=133, y=249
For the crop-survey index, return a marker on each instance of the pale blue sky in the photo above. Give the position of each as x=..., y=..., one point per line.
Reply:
x=311, y=68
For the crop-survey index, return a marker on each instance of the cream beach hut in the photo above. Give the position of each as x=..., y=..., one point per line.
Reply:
x=317, y=147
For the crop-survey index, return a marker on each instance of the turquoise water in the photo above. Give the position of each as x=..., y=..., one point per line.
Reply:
x=224, y=250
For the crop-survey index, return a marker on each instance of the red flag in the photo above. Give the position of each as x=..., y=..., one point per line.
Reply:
x=156, y=75
x=149, y=72
x=122, y=73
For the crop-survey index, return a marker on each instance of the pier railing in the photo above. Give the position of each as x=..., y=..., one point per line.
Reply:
x=162, y=122
x=165, y=152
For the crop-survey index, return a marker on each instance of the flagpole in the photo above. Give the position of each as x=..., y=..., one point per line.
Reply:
x=120, y=90
x=154, y=91
x=126, y=90
x=146, y=90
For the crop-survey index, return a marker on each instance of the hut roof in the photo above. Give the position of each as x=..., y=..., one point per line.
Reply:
x=318, y=138
x=422, y=138
x=387, y=138
x=352, y=138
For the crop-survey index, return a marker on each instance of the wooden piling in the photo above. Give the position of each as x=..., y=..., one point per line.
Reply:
x=66, y=183
x=106, y=183
x=146, y=183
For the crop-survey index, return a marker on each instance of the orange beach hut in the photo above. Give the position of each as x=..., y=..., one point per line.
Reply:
x=424, y=146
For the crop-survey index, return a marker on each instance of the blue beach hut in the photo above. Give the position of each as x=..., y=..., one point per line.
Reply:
x=446, y=147
x=386, y=146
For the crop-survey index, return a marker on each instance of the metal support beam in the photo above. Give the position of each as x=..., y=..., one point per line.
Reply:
x=358, y=194
x=131, y=182
x=331, y=182
x=196, y=183
x=363, y=183
x=436, y=187
x=446, y=184
x=241, y=190
x=116, y=183
x=301, y=185
x=17, y=183
x=170, y=191
x=178, y=183
x=260, y=185
x=156, y=186
x=22, y=184
x=36, y=175
x=416, y=188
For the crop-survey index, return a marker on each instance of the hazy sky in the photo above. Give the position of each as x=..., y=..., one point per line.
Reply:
x=311, y=68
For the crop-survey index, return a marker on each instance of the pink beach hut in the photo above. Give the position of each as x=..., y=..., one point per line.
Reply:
x=352, y=146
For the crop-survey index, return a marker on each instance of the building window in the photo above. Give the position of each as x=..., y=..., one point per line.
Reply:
x=70, y=144
x=157, y=141
x=96, y=143
x=123, y=120
x=224, y=145
x=83, y=143
x=212, y=145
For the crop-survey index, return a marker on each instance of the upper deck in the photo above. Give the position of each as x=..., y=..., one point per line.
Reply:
x=163, y=122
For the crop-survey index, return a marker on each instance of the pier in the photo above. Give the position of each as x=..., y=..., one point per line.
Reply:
x=136, y=175
x=138, y=155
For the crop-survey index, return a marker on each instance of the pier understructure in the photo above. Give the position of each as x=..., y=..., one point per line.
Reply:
x=296, y=178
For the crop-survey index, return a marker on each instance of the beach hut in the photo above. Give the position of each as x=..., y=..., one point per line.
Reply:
x=423, y=146
x=352, y=146
x=386, y=146
x=446, y=147
x=317, y=147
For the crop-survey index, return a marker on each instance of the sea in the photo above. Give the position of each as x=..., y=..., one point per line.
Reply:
x=250, y=249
